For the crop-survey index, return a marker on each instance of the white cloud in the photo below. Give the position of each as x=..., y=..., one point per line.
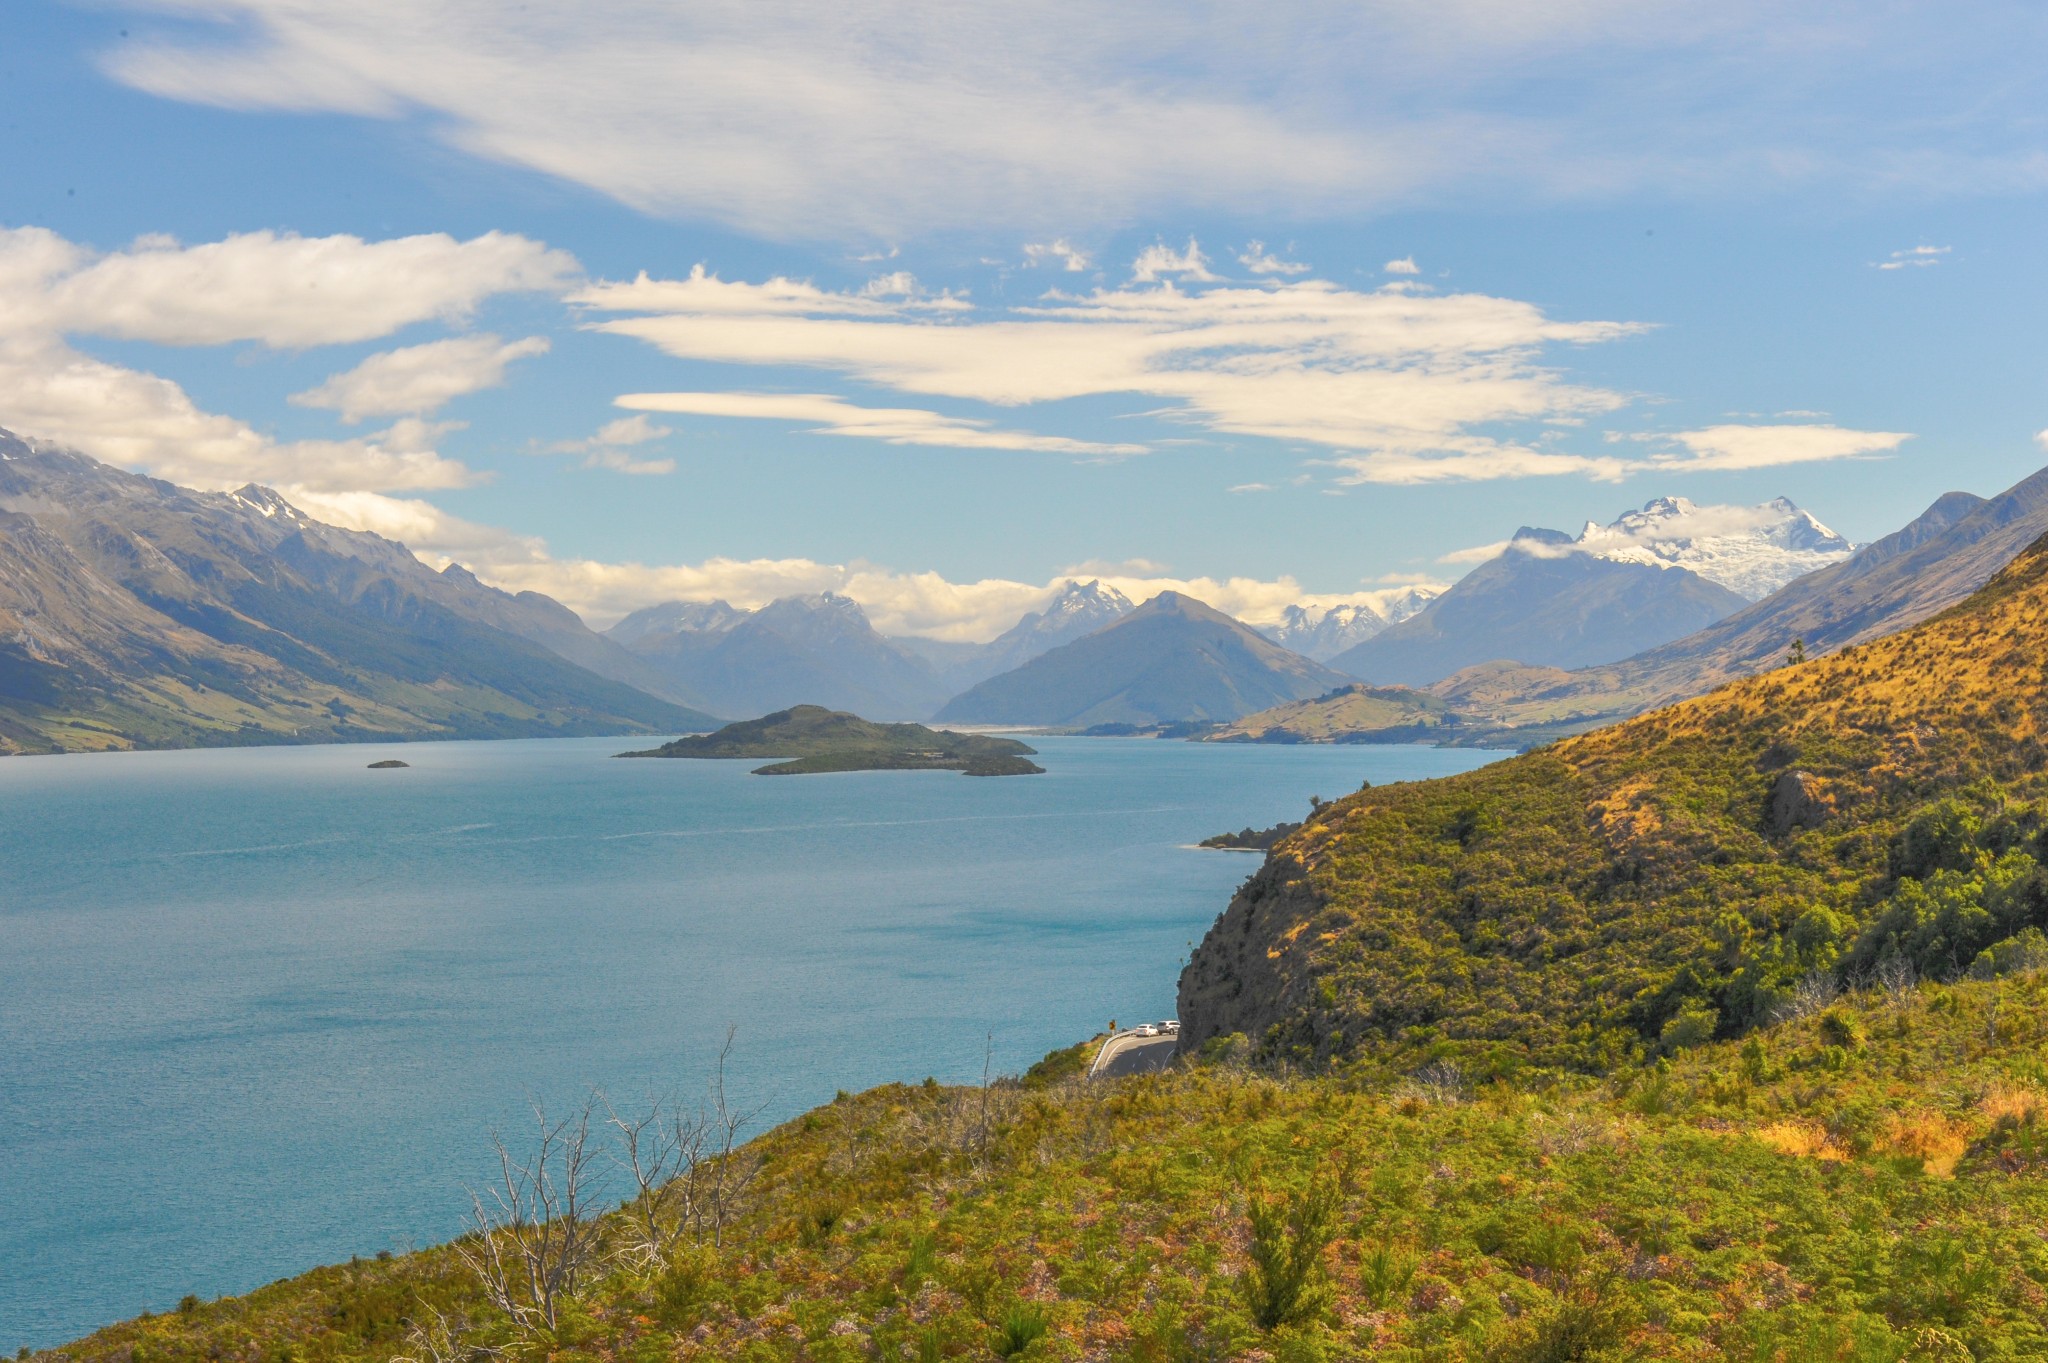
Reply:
x=420, y=378
x=139, y=420
x=1761, y=447
x=277, y=290
x=283, y=290
x=1397, y=386
x=816, y=118
x=890, y=425
x=1159, y=260
x=1251, y=487
x=610, y=446
x=1256, y=258
x=1069, y=257
x=1913, y=258
x=1404, y=266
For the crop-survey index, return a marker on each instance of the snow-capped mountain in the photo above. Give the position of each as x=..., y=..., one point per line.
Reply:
x=1750, y=550
x=1080, y=608
x=676, y=617
x=1322, y=632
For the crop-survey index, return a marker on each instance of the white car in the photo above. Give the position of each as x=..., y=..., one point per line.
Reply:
x=1170, y=1027
x=1144, y=1029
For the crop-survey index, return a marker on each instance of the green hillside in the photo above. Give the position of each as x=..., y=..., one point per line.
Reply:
x=1867, y=1183
x=1575, y=907
x=1348, y=714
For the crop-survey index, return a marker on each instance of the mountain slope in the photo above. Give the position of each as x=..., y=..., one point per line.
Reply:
x=1684, y=870
x=1172, y=659
x=136, y=613
x=1543, y=603
x=799, y=650
x=1348, y=714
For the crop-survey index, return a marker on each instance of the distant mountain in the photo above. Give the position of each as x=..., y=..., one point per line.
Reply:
x=1322, y=632
x=799, y=650
x=134, y=613
x=675, y=617
x=1080, y=609
x=1171, y=659
x=1752, y=550
x=1543, y=602
x=1955, y=546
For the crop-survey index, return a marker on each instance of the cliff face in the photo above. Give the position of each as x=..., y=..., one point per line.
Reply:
x=1233, y=983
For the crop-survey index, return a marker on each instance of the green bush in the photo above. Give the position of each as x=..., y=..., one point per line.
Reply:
x=1284, y=1282
x=1022, y=1327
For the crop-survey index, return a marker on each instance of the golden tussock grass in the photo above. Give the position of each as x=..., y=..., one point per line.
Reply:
x=1936, y=1141
x=1802, y=1140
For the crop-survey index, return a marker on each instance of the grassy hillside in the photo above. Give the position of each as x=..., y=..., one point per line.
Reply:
x=1392, y=713
x=1577, y=906
x=1865, y=1183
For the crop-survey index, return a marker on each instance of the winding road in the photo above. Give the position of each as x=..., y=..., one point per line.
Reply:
x=1128, y=1053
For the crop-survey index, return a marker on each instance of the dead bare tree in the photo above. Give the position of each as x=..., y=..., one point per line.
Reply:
x=728, y=1171
x=534, y=1231
x=662, y=1150
x=437, y=1338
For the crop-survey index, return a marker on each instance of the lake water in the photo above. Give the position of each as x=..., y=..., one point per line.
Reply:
x=260, y=1009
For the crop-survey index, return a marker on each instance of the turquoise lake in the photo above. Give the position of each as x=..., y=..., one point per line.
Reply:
x=261, y=1009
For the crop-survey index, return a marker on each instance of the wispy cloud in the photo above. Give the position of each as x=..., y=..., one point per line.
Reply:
x=816, y=118
x=1726, y=447
x=1913, y=258
x=612, y=445
x=1062, y=253
x=1404, y=266
x=1256, y=258
x=418, y=379
x=1158, y=260
x=1394, y=386
x=827, y=415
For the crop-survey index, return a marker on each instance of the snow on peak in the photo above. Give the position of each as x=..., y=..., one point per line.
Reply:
x=265, y=502
x=1322, y=632
x=1751, y=550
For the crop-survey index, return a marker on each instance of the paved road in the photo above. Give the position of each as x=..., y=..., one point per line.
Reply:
x=1128, y=1053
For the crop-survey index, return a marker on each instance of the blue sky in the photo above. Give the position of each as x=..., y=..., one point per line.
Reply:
x=981, y=303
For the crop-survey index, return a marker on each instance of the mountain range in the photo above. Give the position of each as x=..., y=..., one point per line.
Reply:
x=1752, y=551
x=137, y=613
x=1546, y=602
x=821, y=649
x=1957, y=545
x=1322, y=632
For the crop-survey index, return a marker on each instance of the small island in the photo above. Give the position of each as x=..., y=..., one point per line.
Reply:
x=388, y=764
x=813, y=739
